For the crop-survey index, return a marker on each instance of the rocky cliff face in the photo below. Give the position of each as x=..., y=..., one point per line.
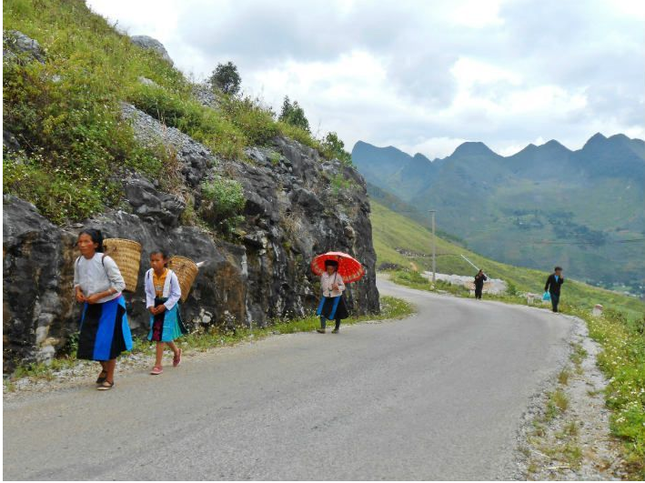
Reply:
x=297, y=205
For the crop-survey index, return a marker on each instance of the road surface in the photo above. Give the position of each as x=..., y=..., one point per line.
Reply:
x=439, y=395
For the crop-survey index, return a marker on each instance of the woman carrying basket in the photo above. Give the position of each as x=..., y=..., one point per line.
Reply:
x=98, y=284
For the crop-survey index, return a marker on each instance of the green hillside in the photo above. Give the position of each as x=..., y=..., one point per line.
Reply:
x=394, y=231
x=64, y=111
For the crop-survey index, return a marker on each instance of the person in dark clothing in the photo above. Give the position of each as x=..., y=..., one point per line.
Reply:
x=553, y=284
x=480, y=278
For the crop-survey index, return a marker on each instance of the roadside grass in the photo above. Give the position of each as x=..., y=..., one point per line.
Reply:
x=557, y=403
x=623, y=362
x=201, y=340
x=561, y=448
x=578, y=355
x=563, y=376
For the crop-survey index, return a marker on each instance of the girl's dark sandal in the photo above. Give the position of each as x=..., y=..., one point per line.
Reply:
x=102, y=378
x=106, y=386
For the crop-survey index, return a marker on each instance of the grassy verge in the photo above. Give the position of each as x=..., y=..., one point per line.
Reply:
x=205, y=339
x=622, y=360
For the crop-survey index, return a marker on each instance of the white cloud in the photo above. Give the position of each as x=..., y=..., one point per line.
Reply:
x=423, y=76
x=434, y=147
x=476, y=13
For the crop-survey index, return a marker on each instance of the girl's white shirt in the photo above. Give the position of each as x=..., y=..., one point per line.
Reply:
x=327, y=282
x=98, y=274
x=171, y=290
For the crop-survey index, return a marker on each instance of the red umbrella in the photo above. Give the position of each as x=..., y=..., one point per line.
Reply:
x=348, y=267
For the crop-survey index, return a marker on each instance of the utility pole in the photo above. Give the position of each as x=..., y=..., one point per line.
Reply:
x=434, y=249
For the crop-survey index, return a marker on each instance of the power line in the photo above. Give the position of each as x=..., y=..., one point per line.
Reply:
x=550, y=242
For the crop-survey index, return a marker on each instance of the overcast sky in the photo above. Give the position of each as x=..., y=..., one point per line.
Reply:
x=423, y=76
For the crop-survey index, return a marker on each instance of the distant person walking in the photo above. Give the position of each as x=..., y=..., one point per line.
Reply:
x=553, y=284
x=98, y=284
x=332, y=305
x=480, y=278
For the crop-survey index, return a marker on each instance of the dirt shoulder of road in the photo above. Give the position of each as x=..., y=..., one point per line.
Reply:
x=566, y=435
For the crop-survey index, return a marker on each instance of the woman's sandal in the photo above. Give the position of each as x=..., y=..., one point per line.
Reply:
x=106, y=386
x=102, y=377
x=177, y=359
x=156, y=370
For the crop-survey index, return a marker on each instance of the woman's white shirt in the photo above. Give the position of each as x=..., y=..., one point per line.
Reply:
x=98, y=274
x=327, y=282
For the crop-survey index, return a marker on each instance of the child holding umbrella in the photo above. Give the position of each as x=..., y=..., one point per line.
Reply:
x=332, y=305
x=335, y=269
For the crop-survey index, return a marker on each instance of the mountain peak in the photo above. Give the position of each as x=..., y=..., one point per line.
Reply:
x=421, y=157
x=619, y=137
x=595, y=140
x=471, y=148
x=554, y=145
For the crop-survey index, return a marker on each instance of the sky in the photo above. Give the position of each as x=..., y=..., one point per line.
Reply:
x=421, y=75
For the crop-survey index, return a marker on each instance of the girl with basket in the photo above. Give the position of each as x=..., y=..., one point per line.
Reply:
x=163, y=293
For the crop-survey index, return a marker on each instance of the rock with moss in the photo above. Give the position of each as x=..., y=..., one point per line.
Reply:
x=195, y=159
x=18, y=46
x=149, y=43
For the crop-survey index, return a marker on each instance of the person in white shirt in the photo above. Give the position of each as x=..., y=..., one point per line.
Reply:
x=163, y=294
x=332, y=305
x=98, y=284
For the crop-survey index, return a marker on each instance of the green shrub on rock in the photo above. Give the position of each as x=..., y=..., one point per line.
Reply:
x=222, y=203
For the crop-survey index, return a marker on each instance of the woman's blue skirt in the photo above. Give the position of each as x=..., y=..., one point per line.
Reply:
x=333, y=308
x=105, y=332
x=166, y=326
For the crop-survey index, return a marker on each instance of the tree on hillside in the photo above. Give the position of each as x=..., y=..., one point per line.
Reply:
x=334, y=147
x=226, y=78
x=293, y=114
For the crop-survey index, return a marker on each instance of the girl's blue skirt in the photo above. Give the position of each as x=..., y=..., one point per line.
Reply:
x=166, y=326
x=105, y=332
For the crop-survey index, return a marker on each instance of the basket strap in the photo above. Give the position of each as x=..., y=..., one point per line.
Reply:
x=102, y=260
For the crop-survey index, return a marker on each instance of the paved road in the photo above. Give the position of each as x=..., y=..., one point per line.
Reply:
x=436, y=396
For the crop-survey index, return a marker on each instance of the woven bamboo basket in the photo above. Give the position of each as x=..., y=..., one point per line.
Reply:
x=186, y=271
x=127, y=255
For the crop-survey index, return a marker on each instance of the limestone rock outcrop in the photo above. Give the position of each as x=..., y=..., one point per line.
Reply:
x=294, y=210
